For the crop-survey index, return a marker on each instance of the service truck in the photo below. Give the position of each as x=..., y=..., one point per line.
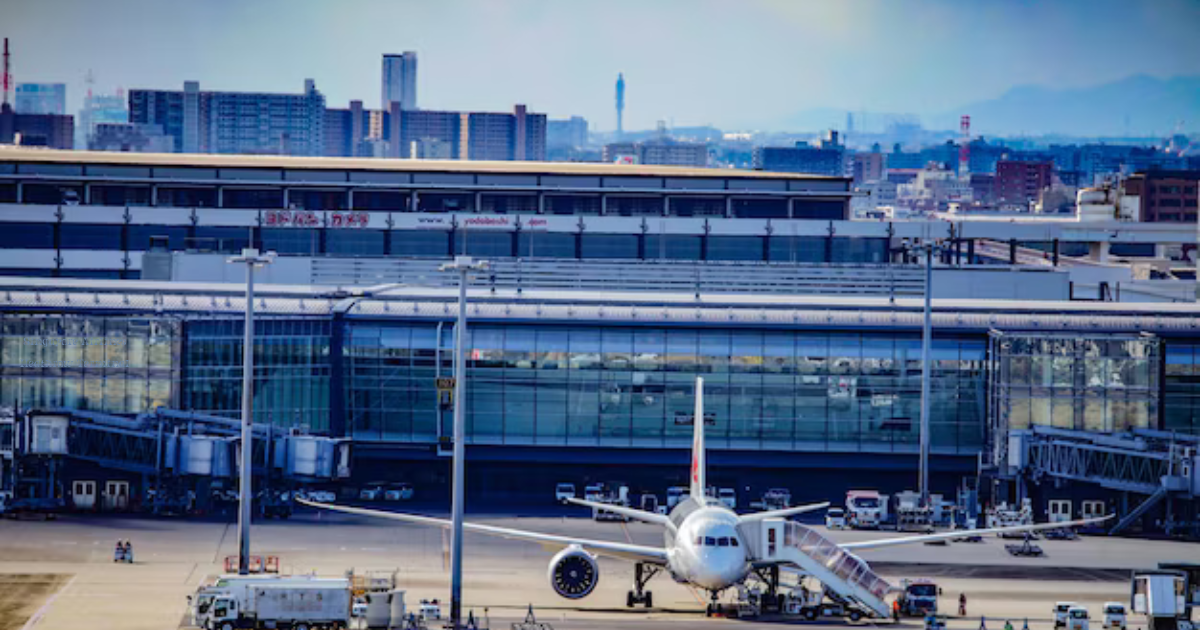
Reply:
x=295, y=603
x=918, y=597
x=864, y=509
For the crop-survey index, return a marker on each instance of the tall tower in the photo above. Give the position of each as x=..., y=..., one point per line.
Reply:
x=399, y=83
x=964, y=147
x=7, y=77
x=620, y=104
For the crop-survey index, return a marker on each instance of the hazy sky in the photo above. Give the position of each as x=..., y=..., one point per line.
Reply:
x=733, y=63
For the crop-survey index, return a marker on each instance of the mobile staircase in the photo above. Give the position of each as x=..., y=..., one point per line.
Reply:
x=847, y=578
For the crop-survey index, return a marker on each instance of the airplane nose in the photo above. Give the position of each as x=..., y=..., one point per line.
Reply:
x=717, y=571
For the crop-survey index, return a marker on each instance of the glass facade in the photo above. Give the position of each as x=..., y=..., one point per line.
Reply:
x=1093, y=383
x=291, y=371
x=1181, y=387
x=108, y=364
x=605, y=386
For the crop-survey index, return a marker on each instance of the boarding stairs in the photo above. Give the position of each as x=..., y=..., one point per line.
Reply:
x=847, y=578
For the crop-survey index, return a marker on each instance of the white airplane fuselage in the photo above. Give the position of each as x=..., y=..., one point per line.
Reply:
x=707, y=551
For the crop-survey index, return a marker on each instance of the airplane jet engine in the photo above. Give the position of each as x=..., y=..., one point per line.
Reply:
x=573, y=573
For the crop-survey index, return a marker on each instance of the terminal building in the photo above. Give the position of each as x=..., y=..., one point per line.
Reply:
x=584, y=344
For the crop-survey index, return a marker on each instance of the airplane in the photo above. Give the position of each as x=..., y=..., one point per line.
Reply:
x=703, y=545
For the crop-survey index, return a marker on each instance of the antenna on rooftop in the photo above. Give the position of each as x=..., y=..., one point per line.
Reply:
x=7, y=72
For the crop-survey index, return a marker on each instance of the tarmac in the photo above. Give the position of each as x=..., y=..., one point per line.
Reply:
x=502, y=578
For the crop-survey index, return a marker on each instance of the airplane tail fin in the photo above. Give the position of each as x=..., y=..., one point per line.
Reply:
x=698, y=466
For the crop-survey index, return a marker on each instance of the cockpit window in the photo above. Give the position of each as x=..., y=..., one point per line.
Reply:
x=709, y=541
x=722, y=542
x=699, y=541
x=733, y=541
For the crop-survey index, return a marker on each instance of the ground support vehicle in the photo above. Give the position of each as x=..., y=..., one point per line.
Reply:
x=272, y=601
x=1025, y=549
x=1060, y=613
x=564, y=491
x=1114, y=616
x=918, y=597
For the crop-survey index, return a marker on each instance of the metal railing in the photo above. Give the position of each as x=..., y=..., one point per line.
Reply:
x=847, y=566
x=635, y=275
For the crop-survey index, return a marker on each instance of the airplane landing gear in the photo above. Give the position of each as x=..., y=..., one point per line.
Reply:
x=713, y=608
x=641, y=575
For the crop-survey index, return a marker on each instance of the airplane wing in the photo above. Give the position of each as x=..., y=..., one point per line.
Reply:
x=636, y=553
x=908, y=540
x=784, y=513
x=641, y=515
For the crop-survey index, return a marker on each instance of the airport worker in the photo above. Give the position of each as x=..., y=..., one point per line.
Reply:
x=896, y=609
x=129, y=553
x=962, y=604
x=119, y=552
x=1008, y=624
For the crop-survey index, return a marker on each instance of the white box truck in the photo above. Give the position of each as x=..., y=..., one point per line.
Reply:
x=864, y=509
x=295, y=603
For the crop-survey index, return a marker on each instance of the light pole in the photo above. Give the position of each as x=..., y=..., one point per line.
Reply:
x=926, y=341
x=251, y=258
x=464, y=265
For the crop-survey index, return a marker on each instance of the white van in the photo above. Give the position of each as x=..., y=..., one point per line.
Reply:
x=728, y=497
x=1114, y=616
x=835, y=518
x=564, y=491
x=1077, y=618
x=1060, y=613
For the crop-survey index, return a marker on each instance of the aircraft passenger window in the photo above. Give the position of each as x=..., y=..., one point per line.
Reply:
x=709, y=541
x=722, y=542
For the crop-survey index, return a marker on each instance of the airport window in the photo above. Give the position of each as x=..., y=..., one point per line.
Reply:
x=572, y=204
x=735, y=248
x=187, y=197
x=306, y=199
x=350, y=242
x=26, y=235
x=90, y=236
x=508, y=204
x=832, y=210
x=295, y=241
x=797, y=249
x=52, y=194
x=252, y=198
x=381, y=200
x=697, y=207
x=634, y=206
x=609, y=246
x=140, y=235
x=771, y=208
x=486, y=244
x=229, y=240
x=858, y=250
x=546, y=245
x=420, y=243
x=445, y=202
x=119, y=195
x=672, y=247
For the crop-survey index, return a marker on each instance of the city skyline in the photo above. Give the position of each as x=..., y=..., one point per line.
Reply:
x=774, y=60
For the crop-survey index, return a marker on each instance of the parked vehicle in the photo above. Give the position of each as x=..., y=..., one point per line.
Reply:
x=430, y=610
x=1060, y=613
x=864, y=509
x=727, y=497
x=835, y=518
x=649, y=503
x=594, y=492
x=675, y=494
x=777, y=499
x=564, y=491
x=1077, y=618
x=918, y=597
x=1114, y=616
x=272, y=602
x=398, y=492
x=371, y=492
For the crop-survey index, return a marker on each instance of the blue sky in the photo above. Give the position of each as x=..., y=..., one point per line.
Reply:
x=745, y=64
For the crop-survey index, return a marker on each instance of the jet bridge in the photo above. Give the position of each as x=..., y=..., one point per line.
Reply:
x=847, y=578
x=1161, y=466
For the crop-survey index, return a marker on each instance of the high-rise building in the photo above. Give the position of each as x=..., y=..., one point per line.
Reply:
x=572, y=132
x=658, y=152
x=130, y=138
x=235, y=122
x=868, y=167
x=1020, y=182
x=99, y=109
x=400, y=81
x=36, y=130
x=519, y=136
x=620, y=105
x=1166, y=196
x=41, y=98
x=802, y=158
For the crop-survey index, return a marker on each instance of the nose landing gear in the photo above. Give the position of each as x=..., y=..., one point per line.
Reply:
x=714, y=607
x=641, y=575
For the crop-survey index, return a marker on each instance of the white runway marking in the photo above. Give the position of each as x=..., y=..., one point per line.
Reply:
x=41, y=612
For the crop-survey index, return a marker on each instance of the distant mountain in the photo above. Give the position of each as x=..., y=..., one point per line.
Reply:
x=1139, y=105
x=1135, y=105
